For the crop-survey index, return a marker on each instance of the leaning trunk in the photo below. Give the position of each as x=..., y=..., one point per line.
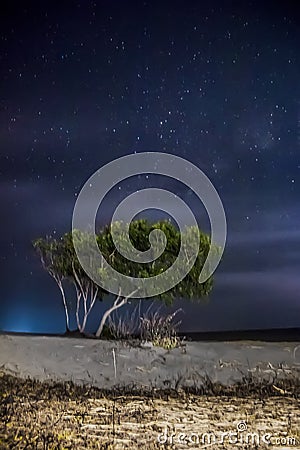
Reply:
x=65, y=305
x=117, y=304
x=107, y=314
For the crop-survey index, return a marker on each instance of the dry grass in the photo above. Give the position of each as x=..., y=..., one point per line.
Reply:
x=59, y=416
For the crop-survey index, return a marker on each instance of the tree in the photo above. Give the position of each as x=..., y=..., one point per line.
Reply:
x=87, y=292
x=53, y=258
x=61, y=261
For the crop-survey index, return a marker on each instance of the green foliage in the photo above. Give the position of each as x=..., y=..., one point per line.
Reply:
x=139, y=231
x=53, y=255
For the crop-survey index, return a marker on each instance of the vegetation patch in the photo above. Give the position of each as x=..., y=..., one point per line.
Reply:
x=49, y=415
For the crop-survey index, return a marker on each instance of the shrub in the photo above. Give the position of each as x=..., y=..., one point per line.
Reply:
x=159, y=329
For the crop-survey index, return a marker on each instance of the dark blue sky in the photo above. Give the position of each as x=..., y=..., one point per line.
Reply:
x=83, y=83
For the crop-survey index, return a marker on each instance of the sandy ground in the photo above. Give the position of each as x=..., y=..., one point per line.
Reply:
x=66, y=416
x=107, y=364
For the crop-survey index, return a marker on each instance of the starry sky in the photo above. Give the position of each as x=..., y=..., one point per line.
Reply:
x=217, y=83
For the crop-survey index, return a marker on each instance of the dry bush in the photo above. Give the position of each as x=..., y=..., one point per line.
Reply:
x=124, y=326
x=152, y=326
x=160, y=330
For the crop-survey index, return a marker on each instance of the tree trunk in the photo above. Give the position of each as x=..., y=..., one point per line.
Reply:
x=115, y=306
x=88, y=295
x=107, y=314
x=65, y=305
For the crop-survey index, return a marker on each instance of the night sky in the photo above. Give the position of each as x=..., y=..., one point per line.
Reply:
x=218, y=83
